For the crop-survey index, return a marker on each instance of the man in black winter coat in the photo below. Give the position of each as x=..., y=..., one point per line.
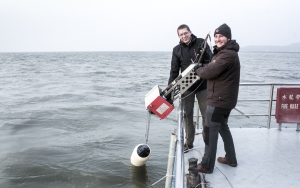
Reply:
x=223, y=78
x=187, y=50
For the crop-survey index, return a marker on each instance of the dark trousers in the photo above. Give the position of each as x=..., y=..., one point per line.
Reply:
x=189, y=101
x=217, y=122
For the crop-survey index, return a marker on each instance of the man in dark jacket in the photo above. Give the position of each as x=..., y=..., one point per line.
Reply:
x=223, y=78
x=187, y=50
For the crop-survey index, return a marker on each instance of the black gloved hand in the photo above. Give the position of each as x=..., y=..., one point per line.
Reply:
x=165, y=90
x=197, y=66
x=150, y=112
x=169, y=99
x=200, y=48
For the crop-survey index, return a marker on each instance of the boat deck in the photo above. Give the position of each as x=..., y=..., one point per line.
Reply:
x=266, y=158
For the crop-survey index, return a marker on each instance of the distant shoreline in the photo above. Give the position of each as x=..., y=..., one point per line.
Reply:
x=268, y=51
x=241, y=50
x=289, y=48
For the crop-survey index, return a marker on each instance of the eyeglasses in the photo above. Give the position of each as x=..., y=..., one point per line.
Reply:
x=185, y=33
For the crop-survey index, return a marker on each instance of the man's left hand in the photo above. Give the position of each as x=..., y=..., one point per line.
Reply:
x=197, y=66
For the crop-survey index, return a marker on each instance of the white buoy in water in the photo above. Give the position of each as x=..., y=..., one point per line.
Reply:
x=140, y=155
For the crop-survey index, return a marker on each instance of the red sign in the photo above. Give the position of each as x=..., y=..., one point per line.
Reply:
x=288, y=105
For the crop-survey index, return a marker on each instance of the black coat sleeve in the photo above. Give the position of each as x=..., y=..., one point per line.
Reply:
x=207, y=52
x=207, y=55
x=175, y=65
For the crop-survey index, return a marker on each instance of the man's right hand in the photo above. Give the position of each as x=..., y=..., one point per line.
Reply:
x=169, y=99
x=151, y=112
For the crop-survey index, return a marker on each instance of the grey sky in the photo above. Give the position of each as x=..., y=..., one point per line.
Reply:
x=140, y=25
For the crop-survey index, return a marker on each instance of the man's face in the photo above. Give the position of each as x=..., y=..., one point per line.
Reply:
x=220, y=40
x=184, y=35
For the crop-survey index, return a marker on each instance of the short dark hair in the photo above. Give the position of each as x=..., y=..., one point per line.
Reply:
x=182, y=26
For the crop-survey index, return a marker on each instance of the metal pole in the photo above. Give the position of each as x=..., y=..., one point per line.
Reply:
x=279, y=126
x=171, y=161
x=179, y=175
x=197, y=116
x=270, y=106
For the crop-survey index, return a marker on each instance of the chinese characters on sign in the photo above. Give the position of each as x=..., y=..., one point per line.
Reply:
x=288, y=105
x=290, y=98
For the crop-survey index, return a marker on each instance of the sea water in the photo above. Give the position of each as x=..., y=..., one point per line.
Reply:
x=72, y=119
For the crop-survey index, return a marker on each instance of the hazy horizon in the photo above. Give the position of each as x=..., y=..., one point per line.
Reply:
x=133, y=25
x=247, y=49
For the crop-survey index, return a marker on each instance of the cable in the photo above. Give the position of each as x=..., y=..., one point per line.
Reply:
x=224, y=176
x=161, y=179
x=148, y=123
x=193, y=91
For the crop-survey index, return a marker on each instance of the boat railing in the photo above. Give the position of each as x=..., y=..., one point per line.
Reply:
x=178, y=164
x=270, y=100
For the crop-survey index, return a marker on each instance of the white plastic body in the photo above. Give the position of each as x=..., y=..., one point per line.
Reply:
x=136, y=160
x=189, y=77
x=157, y=104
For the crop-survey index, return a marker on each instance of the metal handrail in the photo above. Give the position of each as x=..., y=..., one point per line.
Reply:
x=270, y=100
x=179, y=164
x=179, y=174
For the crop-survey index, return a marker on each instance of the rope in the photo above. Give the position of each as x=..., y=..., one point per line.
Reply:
x=148, y=124
x=201, y=184
x=224, y=176
x=192, y=91
x=161, y=179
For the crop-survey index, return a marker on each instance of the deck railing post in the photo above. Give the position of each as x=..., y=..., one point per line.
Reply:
x=179, y=175
x=171, y=161
x=197, y=116
x=279, y=126
x=270, y=106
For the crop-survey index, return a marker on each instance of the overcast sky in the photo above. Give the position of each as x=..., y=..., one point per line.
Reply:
x=141, y=25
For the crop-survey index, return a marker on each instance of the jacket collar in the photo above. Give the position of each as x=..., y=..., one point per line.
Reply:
x=193, y=39
x=230, y=44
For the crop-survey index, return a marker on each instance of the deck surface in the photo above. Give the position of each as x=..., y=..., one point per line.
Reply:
x=266, y=158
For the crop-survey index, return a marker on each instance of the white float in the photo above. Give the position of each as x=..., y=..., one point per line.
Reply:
x=140, y=155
